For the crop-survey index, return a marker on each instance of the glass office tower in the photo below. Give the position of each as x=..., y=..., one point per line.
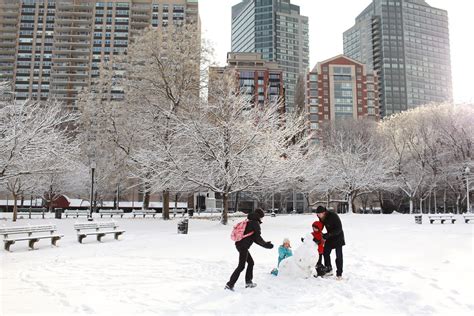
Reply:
x=277, y=30
x=407, y=43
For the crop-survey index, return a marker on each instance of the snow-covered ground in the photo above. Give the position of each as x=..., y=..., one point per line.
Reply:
x=391, y=266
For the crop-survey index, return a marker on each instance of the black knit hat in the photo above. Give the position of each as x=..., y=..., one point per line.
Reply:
x=320, y=209
x=259, y=212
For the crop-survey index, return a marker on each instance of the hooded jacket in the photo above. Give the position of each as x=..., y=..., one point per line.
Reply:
x=253, y=225
x=318, y=236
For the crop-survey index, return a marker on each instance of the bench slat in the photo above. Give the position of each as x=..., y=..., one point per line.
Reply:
x=26, y=229
x=101, y=232
x=32, y=237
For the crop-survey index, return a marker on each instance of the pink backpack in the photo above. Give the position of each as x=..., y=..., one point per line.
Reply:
x=238, y=231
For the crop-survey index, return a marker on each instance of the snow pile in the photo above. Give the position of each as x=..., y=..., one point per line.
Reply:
x=303, y=261
x=391, y=265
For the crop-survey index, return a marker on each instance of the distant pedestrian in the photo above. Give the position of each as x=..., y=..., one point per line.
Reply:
x=245, y=239
x=334, y=239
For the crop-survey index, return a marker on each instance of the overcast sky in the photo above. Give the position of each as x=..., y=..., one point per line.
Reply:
x=328, y=19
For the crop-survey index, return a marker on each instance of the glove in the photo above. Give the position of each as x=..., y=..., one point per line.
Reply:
x=302, y=239
x=316, y=241
x=325, y=236
x=268, y=245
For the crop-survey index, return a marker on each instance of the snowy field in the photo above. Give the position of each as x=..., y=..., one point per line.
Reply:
x=391, y=266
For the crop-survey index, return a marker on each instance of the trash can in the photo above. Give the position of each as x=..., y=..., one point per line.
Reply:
x=190, y=212
x=418, y=219
x=183, y=226
x=58, y=212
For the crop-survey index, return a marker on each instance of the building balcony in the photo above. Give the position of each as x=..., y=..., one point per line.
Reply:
x=8, y=67
x=85, y=36
x=66, y=84
x=71, y=52
x=9, y=12
x=71, y=28
x=140, y=8
x=7, y=51
x=58, y=44
x=8, y=43
x=66, y=10
x=69, y=66
x=143, y=23
x=7, y=58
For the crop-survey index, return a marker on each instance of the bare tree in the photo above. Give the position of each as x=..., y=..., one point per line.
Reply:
x=431, y=147
x=160, y=74
x=354, y=160
x=229, y=145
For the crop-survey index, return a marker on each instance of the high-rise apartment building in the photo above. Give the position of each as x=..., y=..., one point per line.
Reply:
x=55, y=47
x=407, y=43
x=340, y=88
x=277, y=30
x=260, y=79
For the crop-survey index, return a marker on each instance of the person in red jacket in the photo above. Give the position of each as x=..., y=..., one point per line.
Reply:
x=317, y=234
x=318, y=239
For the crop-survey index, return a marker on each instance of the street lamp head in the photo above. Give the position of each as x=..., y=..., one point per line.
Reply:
x=93, y=164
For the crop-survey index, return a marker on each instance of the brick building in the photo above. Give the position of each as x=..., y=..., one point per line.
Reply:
x=340, y=88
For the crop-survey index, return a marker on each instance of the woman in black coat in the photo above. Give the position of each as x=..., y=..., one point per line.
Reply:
x=253, y=225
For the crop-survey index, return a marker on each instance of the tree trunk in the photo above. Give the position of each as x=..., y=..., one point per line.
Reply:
x=435, y=204
x=294, y=200
x=429, y=204
x=50, y=198
x=349, y=203
x=146, y=199
x=411, y=205
x=224, y=218
x=236, y=205
x=166, y=205
x=458, y=197
x=176, y=202
x=117, y=198
x=421, y=205
x=444, y=201
x=15, y=210
x=328, y=195
x=273, y=202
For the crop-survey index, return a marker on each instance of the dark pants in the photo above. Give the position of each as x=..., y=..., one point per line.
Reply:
x=327, y=259
x=319, y=260
x=244, y=256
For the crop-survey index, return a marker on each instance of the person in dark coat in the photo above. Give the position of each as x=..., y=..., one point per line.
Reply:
x=253, y=225
x=334, y=237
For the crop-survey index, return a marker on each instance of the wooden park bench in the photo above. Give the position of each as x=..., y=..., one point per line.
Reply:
x=143, y=213
x=468, y=217
x=441, y=218
x=30, y=233
x=176, y=211
x=100, y=229
x=111, y=213
x=76, y=213
x=31, y=212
